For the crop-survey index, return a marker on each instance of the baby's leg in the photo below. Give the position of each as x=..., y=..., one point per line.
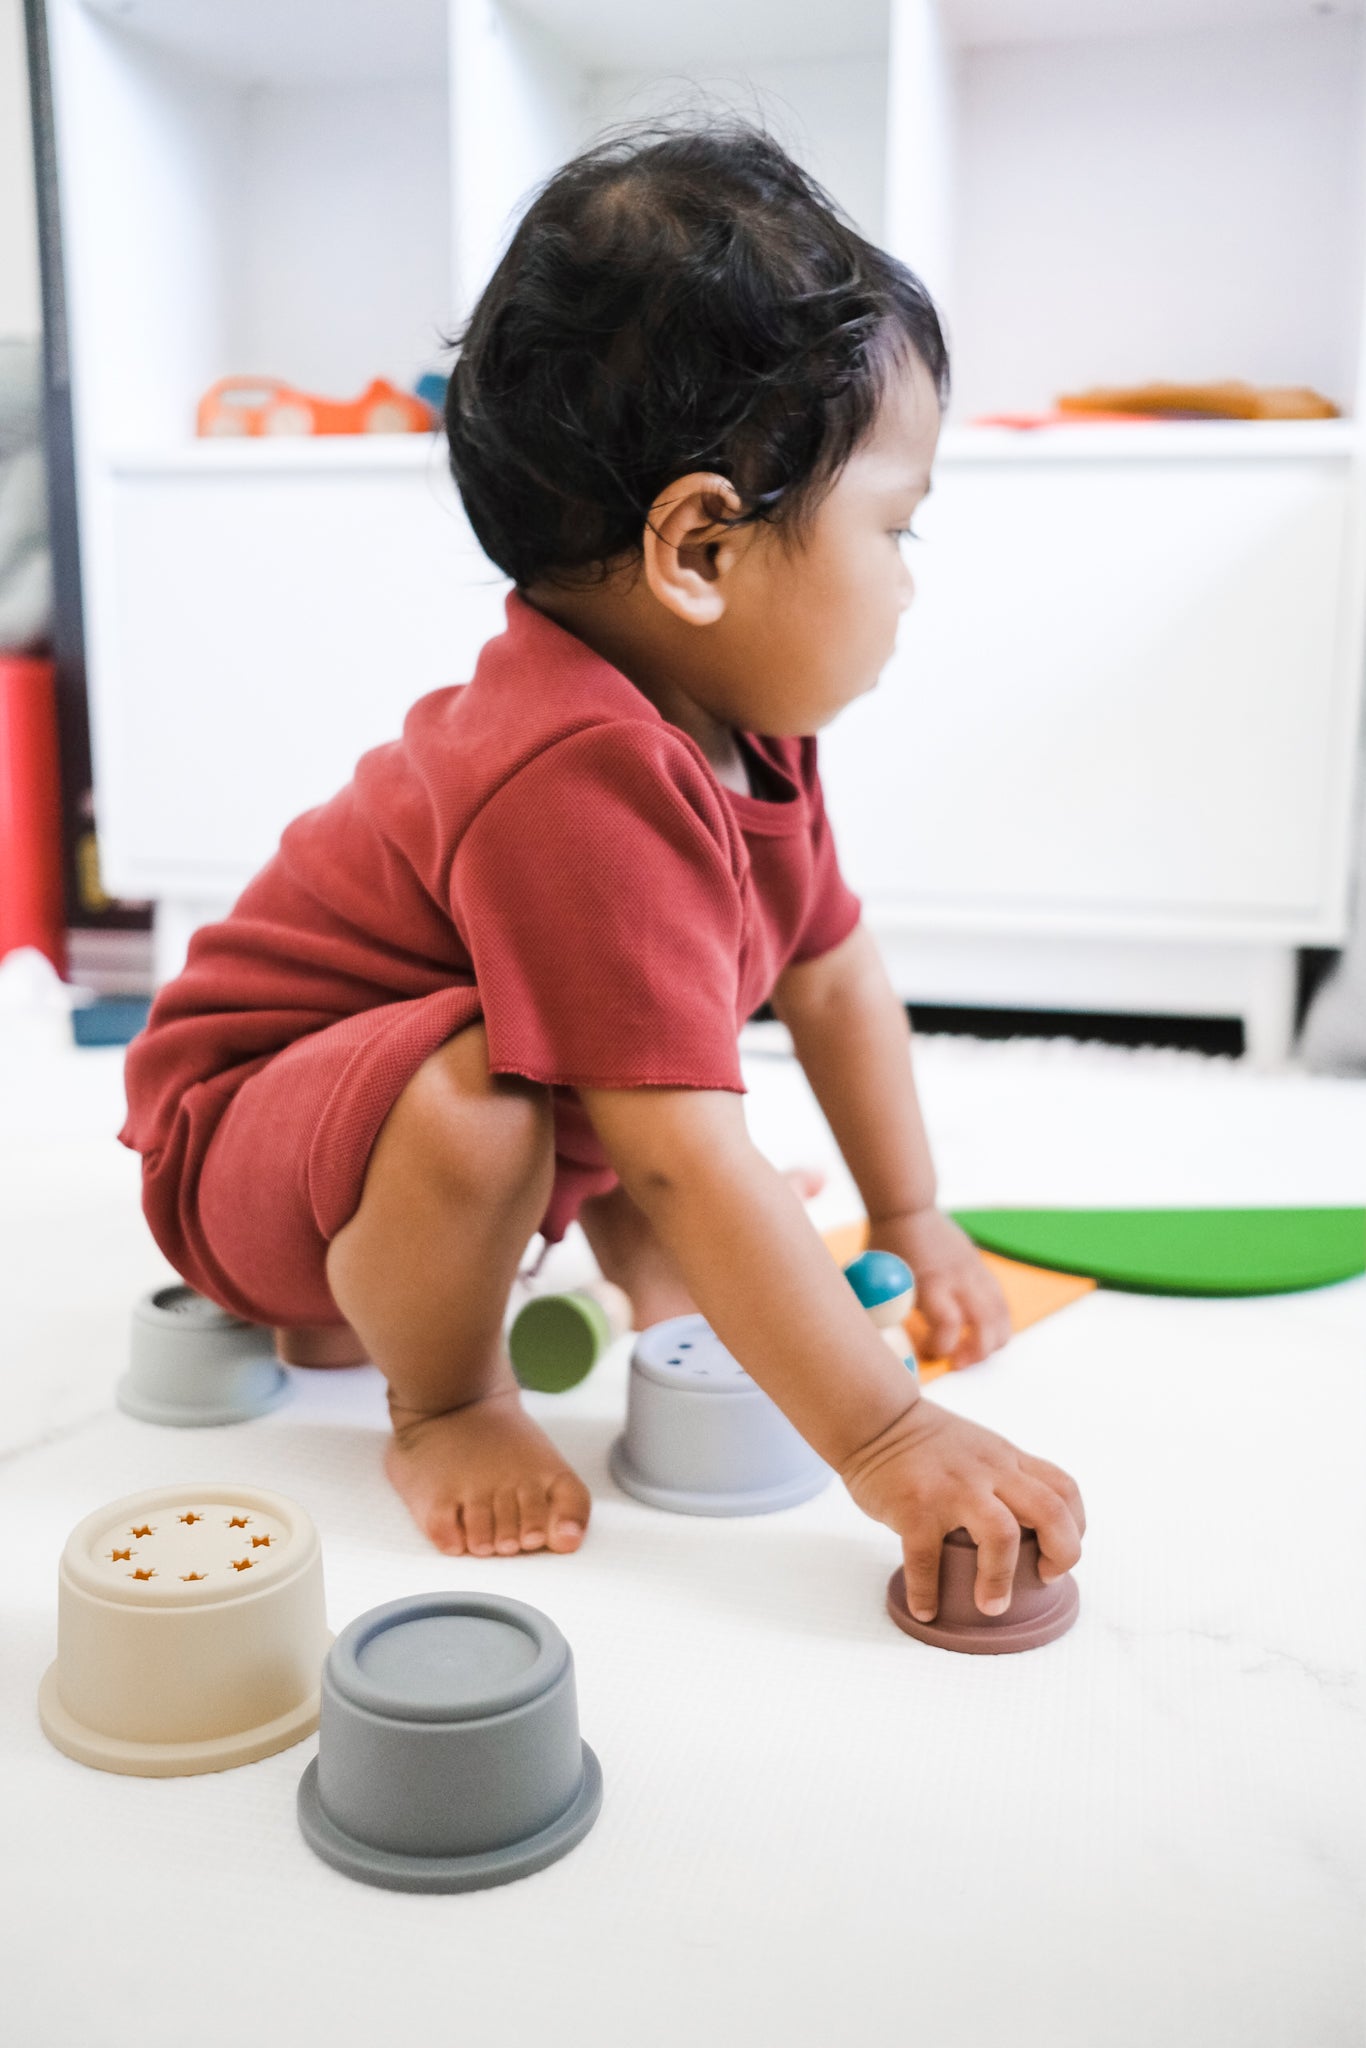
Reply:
x=457, y=1183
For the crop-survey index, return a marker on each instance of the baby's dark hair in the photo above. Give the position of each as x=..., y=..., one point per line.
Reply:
x=672, y=300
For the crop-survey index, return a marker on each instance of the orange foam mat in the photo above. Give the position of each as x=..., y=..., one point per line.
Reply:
x=1031, y=1292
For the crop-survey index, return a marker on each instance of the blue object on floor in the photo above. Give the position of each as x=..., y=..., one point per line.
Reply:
x=110, y=1020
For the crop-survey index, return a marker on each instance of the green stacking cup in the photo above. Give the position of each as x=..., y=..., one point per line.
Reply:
x=556, y=1340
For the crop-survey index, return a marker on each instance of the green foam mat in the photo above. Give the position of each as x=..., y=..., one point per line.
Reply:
x=1181, y=1251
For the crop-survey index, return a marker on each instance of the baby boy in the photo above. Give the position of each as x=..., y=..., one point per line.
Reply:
x=496, y=982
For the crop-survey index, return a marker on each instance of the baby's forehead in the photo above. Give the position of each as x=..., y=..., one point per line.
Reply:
x=897, y=451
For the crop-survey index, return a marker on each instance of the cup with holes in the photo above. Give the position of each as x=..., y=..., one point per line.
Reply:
x=190, y=1632
x=449, y=1755
x=701, y=1438
x=193, y=1366
x=1037, y=1613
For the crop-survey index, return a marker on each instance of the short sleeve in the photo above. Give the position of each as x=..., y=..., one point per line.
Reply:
x=833, y=909
x=598, y=892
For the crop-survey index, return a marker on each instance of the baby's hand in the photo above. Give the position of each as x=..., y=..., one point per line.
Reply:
x=931, y=1472
x=964, y=1311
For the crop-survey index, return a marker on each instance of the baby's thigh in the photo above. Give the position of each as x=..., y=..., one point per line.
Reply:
x=457, y=1129
x=285, y=1167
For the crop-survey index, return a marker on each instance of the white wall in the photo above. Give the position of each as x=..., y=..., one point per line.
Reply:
x=20, y=304
x=1099, y=245
x=344, y=275
x=831, y=114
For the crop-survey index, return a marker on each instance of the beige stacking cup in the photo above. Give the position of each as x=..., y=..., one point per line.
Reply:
x=190, y=1632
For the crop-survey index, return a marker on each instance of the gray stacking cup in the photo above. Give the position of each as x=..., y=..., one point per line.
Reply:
x=192, y=1365
x=701, y=1438
x=449, y=1755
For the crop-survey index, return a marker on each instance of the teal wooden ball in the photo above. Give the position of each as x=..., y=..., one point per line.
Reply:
x=877, y=1277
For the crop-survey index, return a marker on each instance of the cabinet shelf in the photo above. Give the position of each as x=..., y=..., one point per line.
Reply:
x=402, y=454
x=1162, y=441
x=316, y=454
x=260, y=42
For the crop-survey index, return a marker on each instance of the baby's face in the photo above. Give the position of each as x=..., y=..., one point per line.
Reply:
x=813, y=621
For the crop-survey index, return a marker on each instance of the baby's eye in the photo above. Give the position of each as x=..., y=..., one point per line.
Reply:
x=906, y=533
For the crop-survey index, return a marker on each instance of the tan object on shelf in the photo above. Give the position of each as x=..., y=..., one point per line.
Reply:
x=190, y=1632
x=1230, y=400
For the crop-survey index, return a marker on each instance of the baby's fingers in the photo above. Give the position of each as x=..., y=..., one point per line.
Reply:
x=996, y=1532
x=1044, y=1511
x=922, y=1576
x=938, y=1304
x=1062, y=1483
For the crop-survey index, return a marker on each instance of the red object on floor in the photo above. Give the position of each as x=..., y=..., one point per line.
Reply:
x=32, y=904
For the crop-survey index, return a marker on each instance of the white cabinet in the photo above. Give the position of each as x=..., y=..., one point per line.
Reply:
x=315, y=601
x=1111, y=762
x=1111, y=698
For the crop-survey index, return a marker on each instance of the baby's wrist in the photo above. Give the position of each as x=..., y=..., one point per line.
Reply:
x=886, y=1216
x=887, y=1443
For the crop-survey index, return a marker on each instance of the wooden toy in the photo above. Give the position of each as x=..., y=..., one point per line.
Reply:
x=1031, y=1293
x=1230, y=400
x=237, y=406
x=885, y=1286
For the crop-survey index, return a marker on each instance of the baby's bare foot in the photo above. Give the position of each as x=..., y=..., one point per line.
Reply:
x=485, y=1480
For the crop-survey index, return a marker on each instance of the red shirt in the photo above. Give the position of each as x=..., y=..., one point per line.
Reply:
x=544, y=835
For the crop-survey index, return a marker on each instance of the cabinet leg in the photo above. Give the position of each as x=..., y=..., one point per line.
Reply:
x=1268, y=1008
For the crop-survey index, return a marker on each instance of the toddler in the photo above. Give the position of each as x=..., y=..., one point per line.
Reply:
x=496, y=982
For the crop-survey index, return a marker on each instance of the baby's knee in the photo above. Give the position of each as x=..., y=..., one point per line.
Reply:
x=473, y=1130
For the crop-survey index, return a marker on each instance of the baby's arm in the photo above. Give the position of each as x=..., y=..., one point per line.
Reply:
x=775, y=1297
x=851, y=1034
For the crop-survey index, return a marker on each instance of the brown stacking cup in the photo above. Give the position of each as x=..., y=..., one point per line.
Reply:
x=1037, y=1613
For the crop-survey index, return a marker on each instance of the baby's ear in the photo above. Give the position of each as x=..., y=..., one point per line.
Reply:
x=689, y=547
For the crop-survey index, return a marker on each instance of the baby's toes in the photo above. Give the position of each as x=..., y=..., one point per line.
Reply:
x=570, y=1502
x=507, y=1521
x=441, y=1525
x=533, y=1500
x=478, y=1518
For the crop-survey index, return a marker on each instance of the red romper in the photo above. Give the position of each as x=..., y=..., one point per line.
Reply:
x=541, y=848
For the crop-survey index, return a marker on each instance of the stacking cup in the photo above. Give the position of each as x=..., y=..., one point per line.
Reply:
x=190, y=1632
x=449, y=1755
x=701, y=1438
x=1037, y=1613
x=192, y=1365
x=556, y=1340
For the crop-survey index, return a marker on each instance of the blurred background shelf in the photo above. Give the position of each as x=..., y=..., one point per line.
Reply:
x=1118, y=737
x=321, y=454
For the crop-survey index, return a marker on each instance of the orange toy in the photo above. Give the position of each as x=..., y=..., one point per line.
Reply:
x=1024, y=422
x=1230, y=400
x=263, y=405
x=1031, y=1293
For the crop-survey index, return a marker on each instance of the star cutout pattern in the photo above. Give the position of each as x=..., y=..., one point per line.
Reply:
x=237, y=1522
x=241, y=1564
x=143, y=1572
x=143, y=1531
x=189, y=1578
x=191, y=1517
x=121, y=1556
x=260, y=1543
